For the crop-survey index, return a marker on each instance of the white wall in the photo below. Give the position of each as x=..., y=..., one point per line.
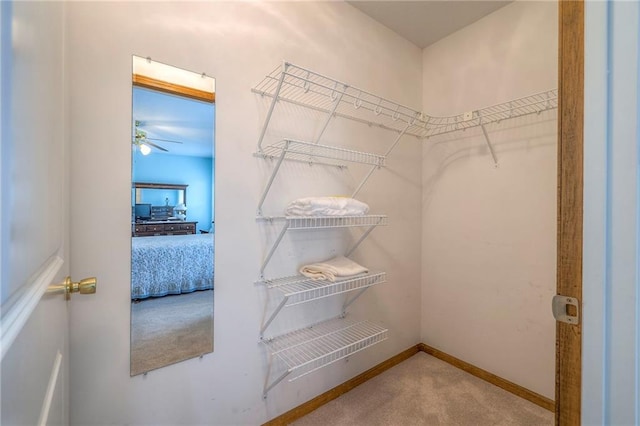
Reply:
x=489, y=234
x=237, y=43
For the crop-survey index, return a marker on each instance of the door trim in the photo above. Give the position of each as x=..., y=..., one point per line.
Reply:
x=570, y=206
x=17, y=310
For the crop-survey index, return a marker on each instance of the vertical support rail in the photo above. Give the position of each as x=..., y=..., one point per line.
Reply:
x=367, y=232
x=273, y=249
x=273, y=315
x=285, y=65
x=373, y=168
x=273, y=176
x=336, y=102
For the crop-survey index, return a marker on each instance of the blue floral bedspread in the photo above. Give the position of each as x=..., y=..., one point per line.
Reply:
x=171, y=264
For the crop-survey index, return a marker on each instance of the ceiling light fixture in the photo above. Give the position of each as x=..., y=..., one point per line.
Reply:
x=144, y=149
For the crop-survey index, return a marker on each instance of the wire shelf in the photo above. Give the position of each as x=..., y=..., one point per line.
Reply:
x=305, y=351
x=303, y=87
x=322, y=222
x=532, y=104
x=309, y=89
x=295, y=150
x=299, y=289
x=315, y=153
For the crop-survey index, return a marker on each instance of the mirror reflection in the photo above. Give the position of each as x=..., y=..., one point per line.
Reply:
x=172, y=222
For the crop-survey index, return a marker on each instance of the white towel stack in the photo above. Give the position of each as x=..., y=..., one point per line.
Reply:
x=326, y=206
x=339, y=266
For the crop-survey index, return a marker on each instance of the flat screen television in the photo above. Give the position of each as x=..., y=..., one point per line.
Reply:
x=143, y=211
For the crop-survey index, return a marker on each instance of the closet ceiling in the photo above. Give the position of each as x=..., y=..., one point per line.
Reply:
x=425, y=22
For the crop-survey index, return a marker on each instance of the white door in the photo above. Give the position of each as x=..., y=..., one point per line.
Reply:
x=34, y=215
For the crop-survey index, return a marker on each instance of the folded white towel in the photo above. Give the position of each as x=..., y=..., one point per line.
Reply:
x=326, y=206
x=339, y=266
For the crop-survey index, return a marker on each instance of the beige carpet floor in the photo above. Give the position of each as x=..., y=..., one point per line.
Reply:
x=166, y=330
x=426, y=391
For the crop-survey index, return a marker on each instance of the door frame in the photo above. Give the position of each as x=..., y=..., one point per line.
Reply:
x=570, y=206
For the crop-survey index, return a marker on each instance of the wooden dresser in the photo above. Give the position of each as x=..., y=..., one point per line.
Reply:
x=150, y=228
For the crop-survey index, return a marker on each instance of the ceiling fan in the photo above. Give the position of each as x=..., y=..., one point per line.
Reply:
x=142, y=141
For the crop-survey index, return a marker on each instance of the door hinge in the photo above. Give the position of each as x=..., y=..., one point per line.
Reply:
x=562, y=312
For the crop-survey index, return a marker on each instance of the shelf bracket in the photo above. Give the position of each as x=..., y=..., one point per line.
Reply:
x=395, y=143
x=365, y=235
x=348, y=302
x=273, y=176
x=366, y=178
x=373, y=168
x=273, y=315
x=336, y=102
x=268, y=386
x=273, y=249
x=285, y=65
x=486, y=138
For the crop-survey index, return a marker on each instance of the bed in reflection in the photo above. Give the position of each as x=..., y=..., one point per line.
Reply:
x=171, y=264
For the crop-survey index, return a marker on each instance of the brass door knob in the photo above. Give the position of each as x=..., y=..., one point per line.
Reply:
x=85, y=286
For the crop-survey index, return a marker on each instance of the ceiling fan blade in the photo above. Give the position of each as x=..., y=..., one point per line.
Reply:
x=156, y=146
x=163, y=140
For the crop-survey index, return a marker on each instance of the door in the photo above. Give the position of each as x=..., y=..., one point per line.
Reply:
x=34, y=218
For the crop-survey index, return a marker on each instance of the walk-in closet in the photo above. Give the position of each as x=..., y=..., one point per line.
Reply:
x=383, y=209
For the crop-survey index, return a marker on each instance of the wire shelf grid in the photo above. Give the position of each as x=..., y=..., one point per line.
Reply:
x=312, y=153
x=299, y=289
x=305, y=351
x=303, y=87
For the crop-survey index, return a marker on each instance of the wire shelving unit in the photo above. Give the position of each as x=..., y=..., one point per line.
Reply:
x=305, y=351
x=309, y=349
x=299, y=289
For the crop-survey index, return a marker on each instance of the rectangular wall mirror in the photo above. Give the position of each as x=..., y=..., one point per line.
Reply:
x=172, y=215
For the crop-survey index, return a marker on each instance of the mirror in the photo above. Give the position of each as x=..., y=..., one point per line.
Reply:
x=172, y=215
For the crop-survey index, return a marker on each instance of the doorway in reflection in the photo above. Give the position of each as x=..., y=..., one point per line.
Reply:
x=172, y=215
